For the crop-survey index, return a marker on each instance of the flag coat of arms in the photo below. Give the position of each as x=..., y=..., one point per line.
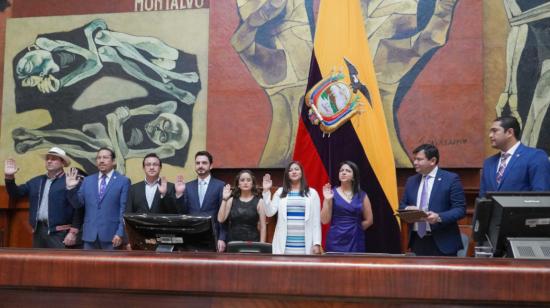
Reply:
x=342, y=118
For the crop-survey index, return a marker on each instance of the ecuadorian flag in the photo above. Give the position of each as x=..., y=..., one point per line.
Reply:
x=341, y=45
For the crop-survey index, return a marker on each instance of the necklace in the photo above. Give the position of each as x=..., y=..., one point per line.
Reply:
x=347, y=194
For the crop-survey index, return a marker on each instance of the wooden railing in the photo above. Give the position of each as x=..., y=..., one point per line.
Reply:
x=143, y=279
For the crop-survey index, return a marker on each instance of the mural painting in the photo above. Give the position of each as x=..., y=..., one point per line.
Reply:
x=104, y=86
x=526, y=95
x=142, y=76
x=274, y=42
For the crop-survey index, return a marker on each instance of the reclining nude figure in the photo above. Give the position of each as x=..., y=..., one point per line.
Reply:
x=131, y=133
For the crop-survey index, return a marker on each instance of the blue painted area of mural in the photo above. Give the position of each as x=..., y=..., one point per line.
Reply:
x=424, y=13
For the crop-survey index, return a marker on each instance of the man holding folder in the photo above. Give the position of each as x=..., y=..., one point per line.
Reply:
x=439, y=193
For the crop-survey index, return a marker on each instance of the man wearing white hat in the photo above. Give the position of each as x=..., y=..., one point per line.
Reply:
x=54, y=221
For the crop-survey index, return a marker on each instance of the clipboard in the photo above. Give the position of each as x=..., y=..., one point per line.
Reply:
x=411, y=216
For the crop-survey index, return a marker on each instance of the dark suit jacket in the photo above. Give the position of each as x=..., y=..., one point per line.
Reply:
x=102, y=217
x=446, y=199
x=60, y=210
x=527, y=170
x=137, y=202
x=189, y=202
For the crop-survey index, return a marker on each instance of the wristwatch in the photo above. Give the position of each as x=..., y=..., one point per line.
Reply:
x=439, y=219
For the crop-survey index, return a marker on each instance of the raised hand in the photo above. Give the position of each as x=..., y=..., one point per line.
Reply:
x=267, y=183
x=328, y=194
x=71, y=178
x=179, y=185
x=163, y=186
x=226, y=192
x=10, y=168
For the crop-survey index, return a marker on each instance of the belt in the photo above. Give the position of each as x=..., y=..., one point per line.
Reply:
x=57, y=228
x=62, y=227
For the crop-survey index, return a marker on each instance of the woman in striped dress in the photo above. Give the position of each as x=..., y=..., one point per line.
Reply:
x=298, y=229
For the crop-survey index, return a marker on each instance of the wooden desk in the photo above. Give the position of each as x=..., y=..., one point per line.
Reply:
x=142, y=279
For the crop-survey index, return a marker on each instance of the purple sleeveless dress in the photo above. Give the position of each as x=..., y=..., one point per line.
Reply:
x=345, y=233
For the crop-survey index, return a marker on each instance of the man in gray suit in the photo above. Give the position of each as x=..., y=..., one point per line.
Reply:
x=204, y=195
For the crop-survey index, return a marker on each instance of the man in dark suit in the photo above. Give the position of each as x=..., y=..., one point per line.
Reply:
x=103, y=196
x=153, y=195
x=440, y=194
x=54, y=222
x=204, y=195
x=516, y=167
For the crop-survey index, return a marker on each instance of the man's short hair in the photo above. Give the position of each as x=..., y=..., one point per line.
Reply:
x=430, y=151
x=152, y=155
x=205, y=153
x=113, y=156
x=508, y=122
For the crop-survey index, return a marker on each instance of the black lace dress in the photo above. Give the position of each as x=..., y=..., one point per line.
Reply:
x=243, y=220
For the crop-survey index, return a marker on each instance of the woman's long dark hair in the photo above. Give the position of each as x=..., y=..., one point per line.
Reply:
x=237, y=191
x=356, y=181
x=304, y=188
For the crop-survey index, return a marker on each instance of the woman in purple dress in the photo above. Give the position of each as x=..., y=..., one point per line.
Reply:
x=347, y=208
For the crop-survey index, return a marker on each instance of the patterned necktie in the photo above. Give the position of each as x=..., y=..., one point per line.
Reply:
x=102, y=186
x=422, y=225
x=502, y=167
x=202, y=188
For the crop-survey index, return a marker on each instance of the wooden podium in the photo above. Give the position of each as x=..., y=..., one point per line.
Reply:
x=46, y=278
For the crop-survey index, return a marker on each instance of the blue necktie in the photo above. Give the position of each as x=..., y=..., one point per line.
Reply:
x=422, y=225
x=202, y=188
x=102, y=186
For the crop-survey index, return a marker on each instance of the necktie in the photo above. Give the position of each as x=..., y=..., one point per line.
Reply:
x=202, y=188
x=502, y=167
x=102, y=186
x=422, y=225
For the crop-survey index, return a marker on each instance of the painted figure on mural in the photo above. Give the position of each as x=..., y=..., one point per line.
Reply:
x=132, y=133
x=274, y=40
x=59, y=68
x=525, y=95
x=403, y=36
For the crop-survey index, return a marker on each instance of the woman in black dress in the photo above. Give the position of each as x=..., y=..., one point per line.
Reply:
x=243, y=209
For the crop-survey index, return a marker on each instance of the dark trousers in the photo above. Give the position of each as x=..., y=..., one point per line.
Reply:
x=97, y=244
x=41, y=238
x=425, y=246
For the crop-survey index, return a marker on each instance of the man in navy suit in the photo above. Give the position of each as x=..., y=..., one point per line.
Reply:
x=516, y=167
x=103, y=195
x=153, y=195
x=202, y=196
x=440, y=194
x=54, y=221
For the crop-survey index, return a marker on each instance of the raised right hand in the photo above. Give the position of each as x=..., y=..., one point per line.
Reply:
x=163, y=187
x=71, y=178
x=328, y=194
x=10, y=167
x=267, y=182
x=179, y=186
x=226, y=192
